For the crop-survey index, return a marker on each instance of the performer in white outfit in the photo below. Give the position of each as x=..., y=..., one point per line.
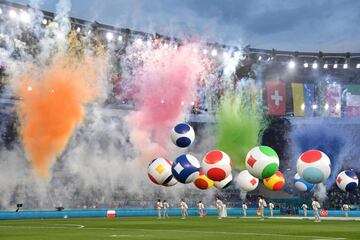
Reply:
x=159, y=206
x=271, y=207
x=219, y=205
x=166, y=207
x=305, y=207
x=201, y=207
x=184, y=207
x=262, y=205
x=244, y=208
x=346, y=209
x=316, y=206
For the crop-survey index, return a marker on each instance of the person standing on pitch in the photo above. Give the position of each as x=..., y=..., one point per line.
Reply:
x=346, y=209
x=165, y=207
x=262, y=204
x=304, y=207
x=244, y=208
x=184, y=207
x=219, y=205
x=316, y=206
x=159, y=206
x=271, y=207
x=201, y=207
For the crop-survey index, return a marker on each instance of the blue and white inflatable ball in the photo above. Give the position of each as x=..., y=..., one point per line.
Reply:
x=183, y=135
x=301, y=184
x=347, y=181
x=186, y=168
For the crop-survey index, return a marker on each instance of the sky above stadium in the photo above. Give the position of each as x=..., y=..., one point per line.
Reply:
x=307, y=25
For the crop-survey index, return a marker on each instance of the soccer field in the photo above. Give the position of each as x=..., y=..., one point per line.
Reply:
x=174, y=228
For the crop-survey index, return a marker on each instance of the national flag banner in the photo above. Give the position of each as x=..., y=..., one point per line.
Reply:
x=303, y=98
x=333, y=100
x=276, y=97
x=352, y=100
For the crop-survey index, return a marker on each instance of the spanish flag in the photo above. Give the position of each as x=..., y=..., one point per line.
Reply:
x=303, y=98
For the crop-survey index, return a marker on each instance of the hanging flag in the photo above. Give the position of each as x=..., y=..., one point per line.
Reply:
x=352, y=100
x=333, y=100
x=303, y=98
x=276, y=97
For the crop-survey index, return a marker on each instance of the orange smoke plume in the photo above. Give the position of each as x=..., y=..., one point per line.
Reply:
x=52, y=104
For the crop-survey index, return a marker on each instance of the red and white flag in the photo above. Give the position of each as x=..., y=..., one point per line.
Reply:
x=276, y=97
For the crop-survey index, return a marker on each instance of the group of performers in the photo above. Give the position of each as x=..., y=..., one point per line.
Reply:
x=163, y=206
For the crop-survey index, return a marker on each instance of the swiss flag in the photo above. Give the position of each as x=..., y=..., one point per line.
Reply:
x=276, y=97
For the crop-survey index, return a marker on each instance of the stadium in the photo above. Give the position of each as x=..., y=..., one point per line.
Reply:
x=109, y=132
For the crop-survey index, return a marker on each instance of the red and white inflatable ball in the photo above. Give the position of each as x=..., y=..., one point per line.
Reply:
x=216, y=165
x=224, y=183
x=246, y=181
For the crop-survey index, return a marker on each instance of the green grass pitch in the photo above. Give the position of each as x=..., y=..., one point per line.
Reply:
x=206, y=228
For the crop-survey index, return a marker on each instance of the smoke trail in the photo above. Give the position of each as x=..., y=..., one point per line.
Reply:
x=239, y=122
x=52, y=106
x=166, y=84
x=333, y=140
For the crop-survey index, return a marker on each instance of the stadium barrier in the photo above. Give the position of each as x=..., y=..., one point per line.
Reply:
x=87, y=213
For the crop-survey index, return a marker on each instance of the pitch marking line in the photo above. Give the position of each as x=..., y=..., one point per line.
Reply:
x=76, y=226
x=129, y=236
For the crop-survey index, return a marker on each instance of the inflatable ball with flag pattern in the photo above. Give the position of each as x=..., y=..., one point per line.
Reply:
x=347, y=181
x=186, y=168
x=246, y=181
x=216, y=165
x=314, y=166
x=159, y=172
x=262, y=162
x=182, y=135
x=203, y=182
x=276, y=182
x=301, y=184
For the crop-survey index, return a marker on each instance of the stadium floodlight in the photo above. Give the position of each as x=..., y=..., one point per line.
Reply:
x=292, y=64
x=166, y=45
x=25, y=17
x=162, y=101
x=182, y=103
x=148, y=43
x=326, y=106
x=315, y=65
x=358, y=65
x=205, y=51
x=314, y=106
x=345, y=66
x=78, y=29
x=306, y=65
x=338, y=106
x=1, y=11
x=120, y=38
x=44, y=21
x=89, y=32
x=139, y=41
x=12, y=14
x=259, y=58
x=109, y=36
x=214, y=52
x=195, y=50
x=326, y=65
x=302, y=106
x=29, y=88
x=335, y=66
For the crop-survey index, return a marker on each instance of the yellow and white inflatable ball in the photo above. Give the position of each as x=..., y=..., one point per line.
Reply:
x=224, y=183
x=159, y=172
